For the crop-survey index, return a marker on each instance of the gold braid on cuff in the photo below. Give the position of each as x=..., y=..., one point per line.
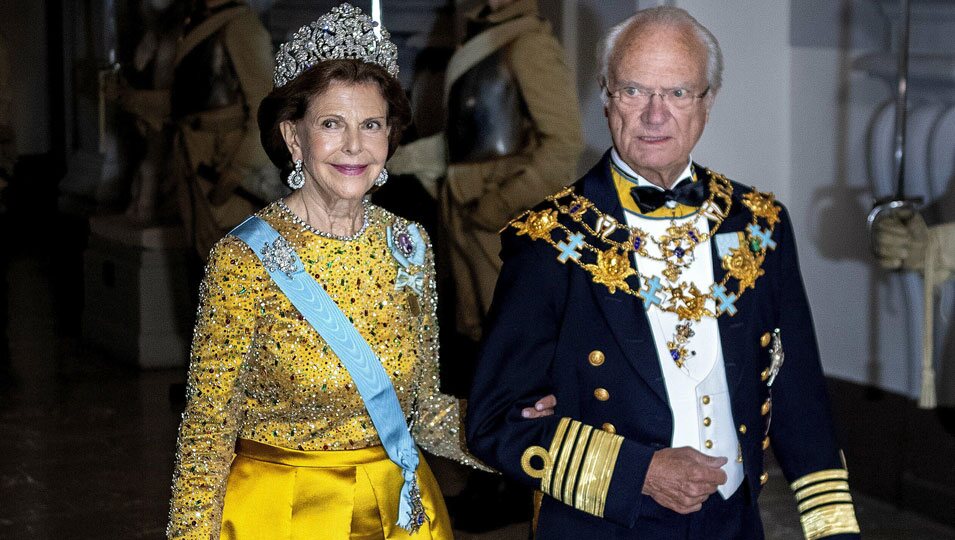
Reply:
x=577, y=468
x=825, y=504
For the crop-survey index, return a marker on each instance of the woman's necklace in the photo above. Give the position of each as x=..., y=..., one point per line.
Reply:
x=366, y=206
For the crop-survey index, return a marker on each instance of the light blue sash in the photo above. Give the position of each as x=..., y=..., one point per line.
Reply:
x=373, y=384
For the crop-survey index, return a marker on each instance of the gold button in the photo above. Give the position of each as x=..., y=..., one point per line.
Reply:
x=767, y=406
x=763, y=478
x=707, y=421
x=608, y=427
x=708, y=443
x=596, y=358
x=764, y=339
x=601, y=394
x=766, y=442
x=706, y=400
x=764, y=375
x=742, y=429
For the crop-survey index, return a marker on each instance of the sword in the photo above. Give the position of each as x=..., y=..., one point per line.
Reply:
x=897, y=203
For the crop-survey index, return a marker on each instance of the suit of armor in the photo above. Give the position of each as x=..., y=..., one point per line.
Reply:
x=221, y=172
x=513, y=137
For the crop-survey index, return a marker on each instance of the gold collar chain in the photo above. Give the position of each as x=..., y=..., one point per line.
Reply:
x=676, y=247
x=613, y=265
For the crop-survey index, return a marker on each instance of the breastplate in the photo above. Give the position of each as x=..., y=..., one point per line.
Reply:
x=487, y=116
x=205, y=79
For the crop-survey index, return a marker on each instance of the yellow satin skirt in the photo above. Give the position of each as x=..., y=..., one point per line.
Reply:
x=280, y=494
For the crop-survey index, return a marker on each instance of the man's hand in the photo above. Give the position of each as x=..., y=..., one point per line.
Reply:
x=682, y=478
x=543, y=407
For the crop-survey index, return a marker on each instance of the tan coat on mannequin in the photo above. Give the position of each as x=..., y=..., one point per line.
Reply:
x=226, y=139
x=478, y=199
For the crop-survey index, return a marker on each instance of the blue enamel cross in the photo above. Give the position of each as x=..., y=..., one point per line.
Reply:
x=568, y=249
x=725, y=301
x=650, y=294
x=764, y=236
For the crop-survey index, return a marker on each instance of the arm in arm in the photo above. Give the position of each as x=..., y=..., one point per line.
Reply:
x=438, y=427
x=515, y=368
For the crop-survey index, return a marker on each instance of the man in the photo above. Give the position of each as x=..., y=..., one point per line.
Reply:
x=654, y=299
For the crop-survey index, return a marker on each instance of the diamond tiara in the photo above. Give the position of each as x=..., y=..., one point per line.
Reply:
x=344, y=32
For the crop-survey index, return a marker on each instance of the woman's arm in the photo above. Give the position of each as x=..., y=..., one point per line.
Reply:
x=222, y=337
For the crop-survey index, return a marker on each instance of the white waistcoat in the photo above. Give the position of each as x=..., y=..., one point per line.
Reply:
x=698, y=393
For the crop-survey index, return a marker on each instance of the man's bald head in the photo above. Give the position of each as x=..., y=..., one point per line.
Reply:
x=649, y=20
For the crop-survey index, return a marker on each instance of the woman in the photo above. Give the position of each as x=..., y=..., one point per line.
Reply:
x=316, y=453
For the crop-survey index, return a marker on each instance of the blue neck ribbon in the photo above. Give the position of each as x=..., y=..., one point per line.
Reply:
x=310, y=299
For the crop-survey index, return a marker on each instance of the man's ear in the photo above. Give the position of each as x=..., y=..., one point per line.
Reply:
x=710, y=99
x=290, y=135
x=604, y=97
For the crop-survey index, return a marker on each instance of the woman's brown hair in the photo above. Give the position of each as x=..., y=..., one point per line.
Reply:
x=290, y=102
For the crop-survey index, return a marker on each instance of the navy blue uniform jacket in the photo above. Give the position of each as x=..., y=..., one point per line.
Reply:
x=546, y=319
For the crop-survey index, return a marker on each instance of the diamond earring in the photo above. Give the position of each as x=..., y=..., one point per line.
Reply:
x=296, y=178
x=382, y=177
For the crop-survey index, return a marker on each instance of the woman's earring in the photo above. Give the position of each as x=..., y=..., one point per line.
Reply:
x=296, y=178
x=382, y=177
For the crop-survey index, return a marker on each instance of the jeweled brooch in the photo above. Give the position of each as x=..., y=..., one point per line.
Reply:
x=279, y=256
x=408, y=248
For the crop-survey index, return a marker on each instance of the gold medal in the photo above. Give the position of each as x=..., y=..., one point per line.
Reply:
x=741, y=264
x=612, y=269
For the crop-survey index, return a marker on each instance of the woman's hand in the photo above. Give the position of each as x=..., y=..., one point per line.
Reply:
x=543, y=407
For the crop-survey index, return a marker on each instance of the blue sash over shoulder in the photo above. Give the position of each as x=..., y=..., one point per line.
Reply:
x=373, y=384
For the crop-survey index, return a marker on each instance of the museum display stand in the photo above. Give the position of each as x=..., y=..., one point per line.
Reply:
x=138, y=306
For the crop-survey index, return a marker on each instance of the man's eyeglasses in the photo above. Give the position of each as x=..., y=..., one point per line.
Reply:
x=678, y=98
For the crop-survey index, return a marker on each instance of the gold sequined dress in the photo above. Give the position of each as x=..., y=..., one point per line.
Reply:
x=260, y=375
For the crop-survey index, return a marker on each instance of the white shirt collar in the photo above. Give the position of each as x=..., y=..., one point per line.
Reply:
x=641, y=181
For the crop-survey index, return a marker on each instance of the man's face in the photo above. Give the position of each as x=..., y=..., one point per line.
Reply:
x=655, y=138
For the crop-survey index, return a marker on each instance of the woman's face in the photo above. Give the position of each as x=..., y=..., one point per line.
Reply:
x=342, y=140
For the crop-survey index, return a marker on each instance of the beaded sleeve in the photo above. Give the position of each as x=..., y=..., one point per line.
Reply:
x=223, y=336
x=439, y=424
